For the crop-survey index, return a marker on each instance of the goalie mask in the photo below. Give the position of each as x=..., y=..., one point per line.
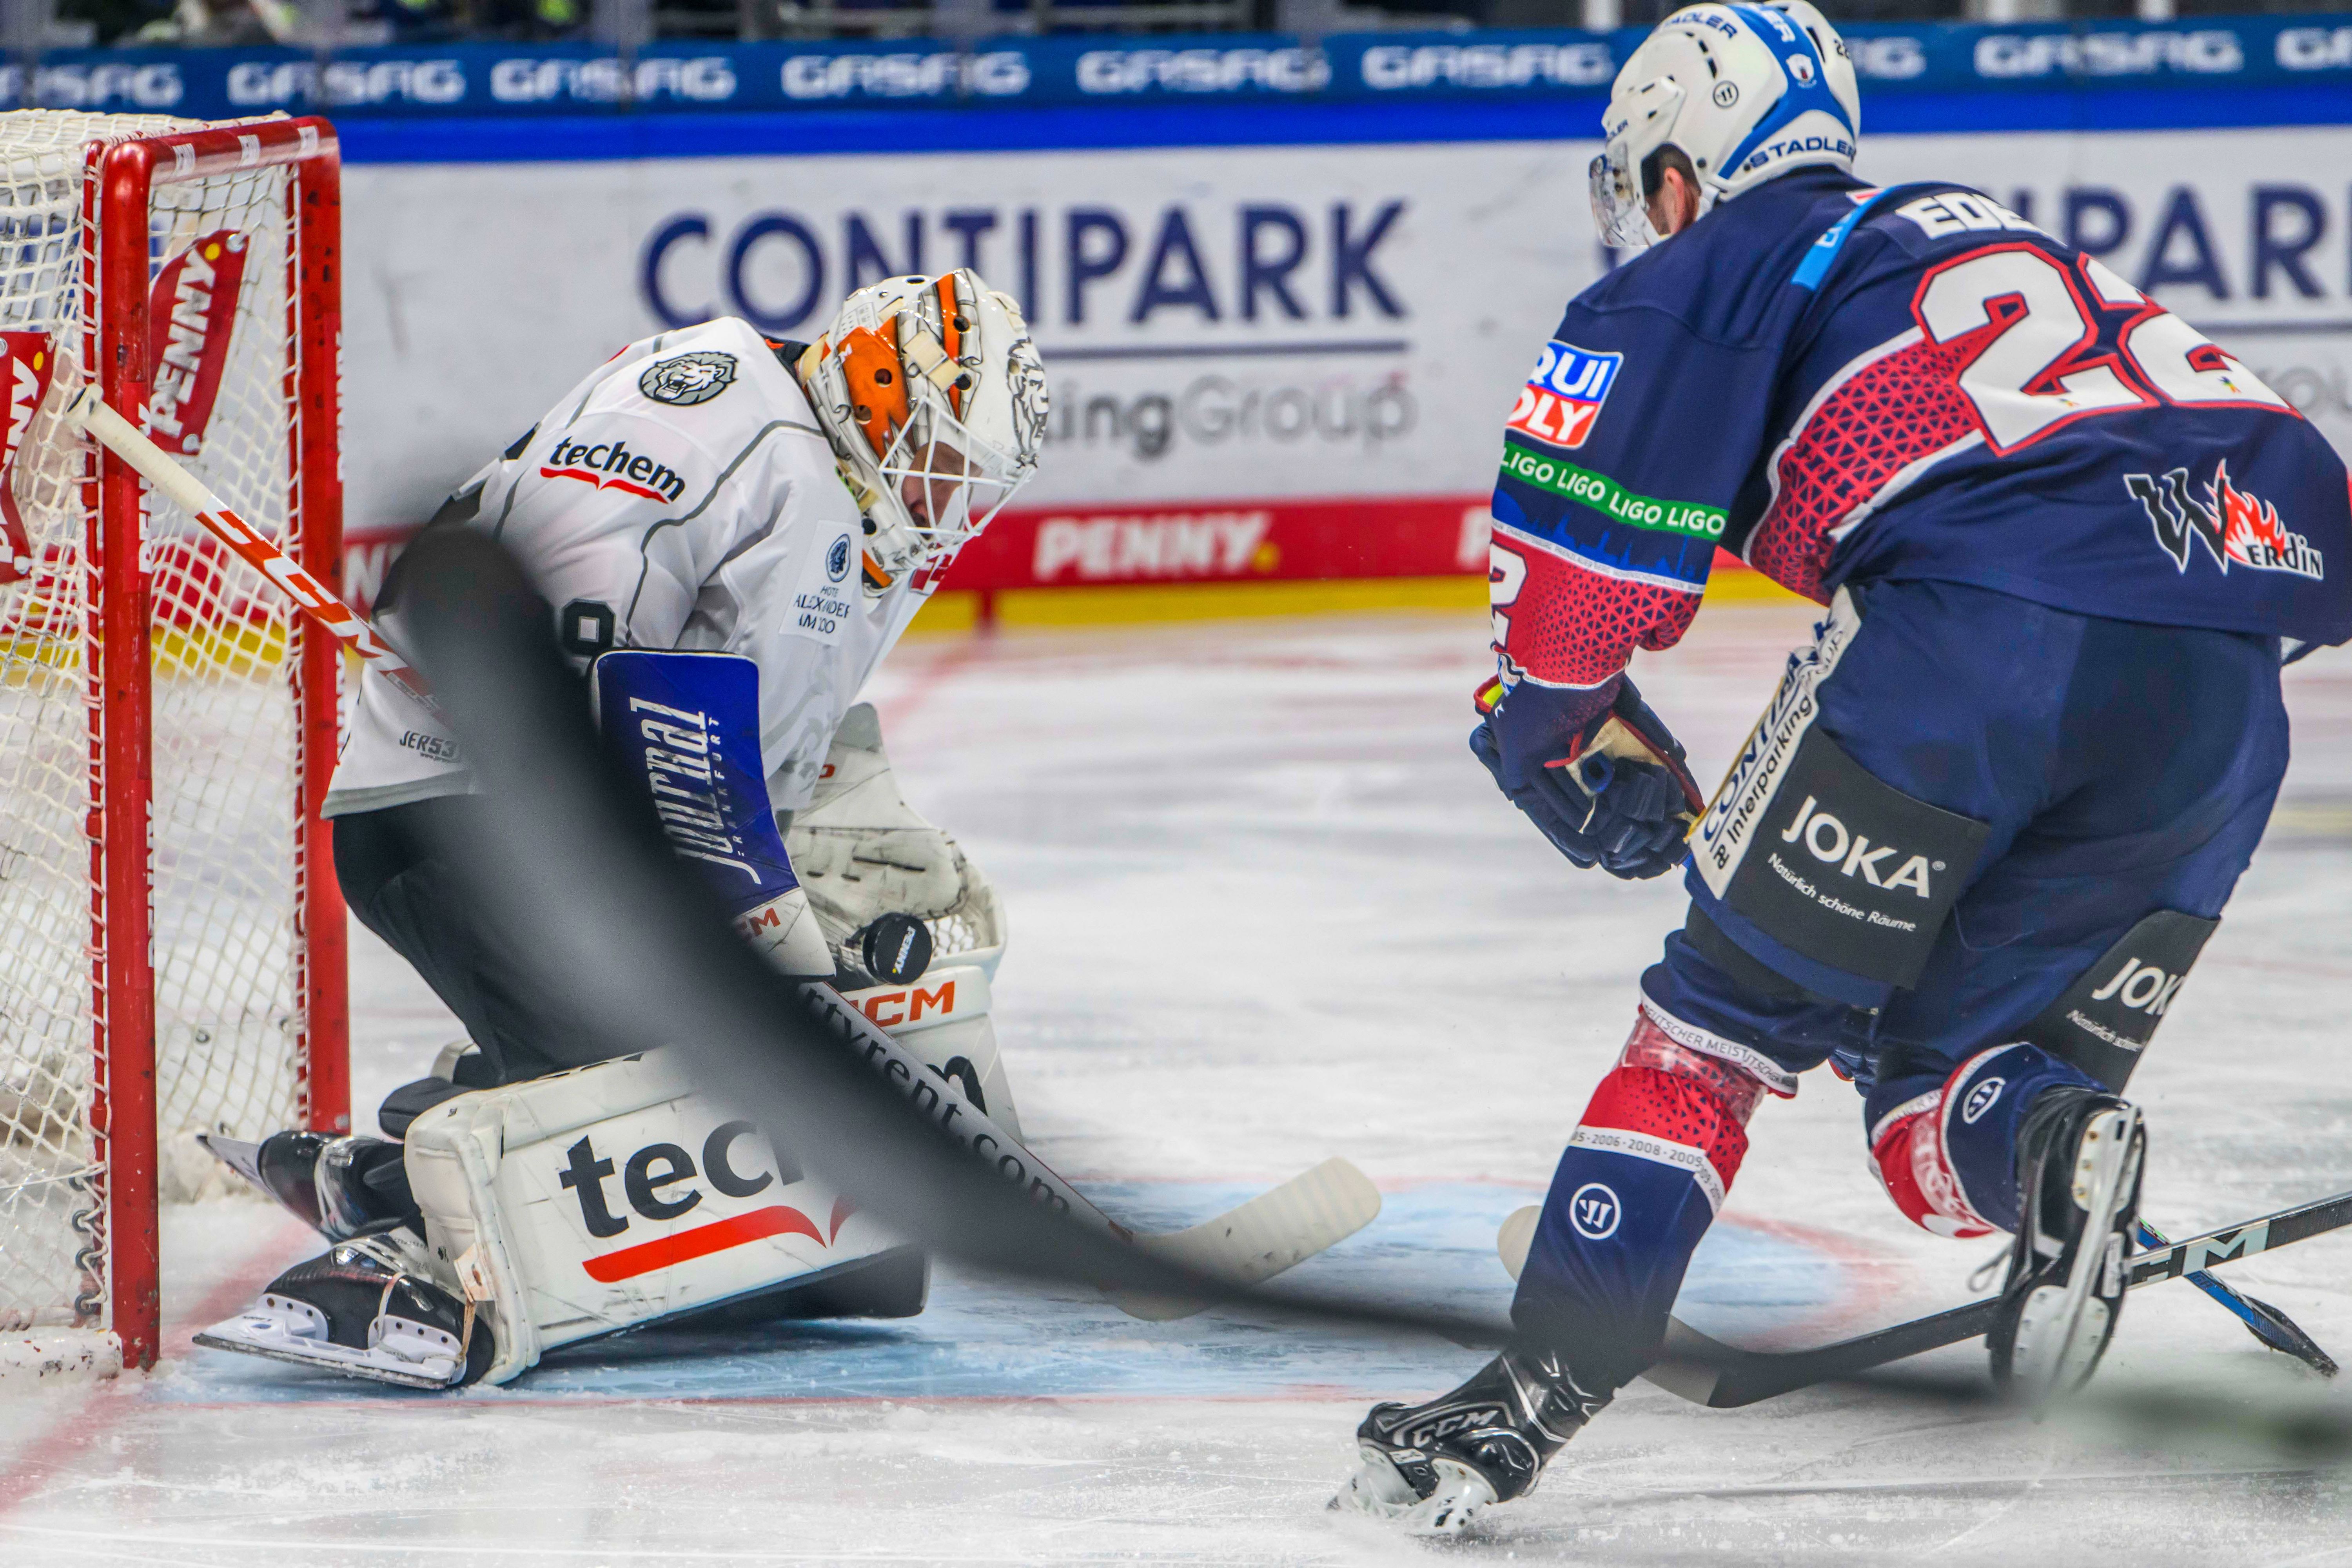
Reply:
x=934, y=399
x=1744, y=92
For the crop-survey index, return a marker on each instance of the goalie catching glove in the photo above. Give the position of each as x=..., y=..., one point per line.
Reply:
x=1610, y=789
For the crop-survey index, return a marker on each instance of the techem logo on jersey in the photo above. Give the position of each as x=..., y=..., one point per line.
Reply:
x=611, y=466
x=1561, y=400
x=1595, y=1211
x=2237, y=528
x=1981, y=1100
x=1828, y=840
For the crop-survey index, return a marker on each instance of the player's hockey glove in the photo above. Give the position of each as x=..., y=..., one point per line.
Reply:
x=1608, y=788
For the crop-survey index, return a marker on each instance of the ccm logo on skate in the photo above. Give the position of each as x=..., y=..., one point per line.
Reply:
x=1595, y=1211
x=1827, y=839
x=1980, y=1099
x=2142, y=987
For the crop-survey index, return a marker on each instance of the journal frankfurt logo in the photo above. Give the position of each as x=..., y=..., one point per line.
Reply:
x=1561, y=400
x=2238, y=529
x=1594, y=1212
x=684, y=379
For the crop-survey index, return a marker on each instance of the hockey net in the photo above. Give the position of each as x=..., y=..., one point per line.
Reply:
x=156, y=987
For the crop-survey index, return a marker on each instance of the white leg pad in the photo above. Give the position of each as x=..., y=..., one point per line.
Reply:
x=616, y=1195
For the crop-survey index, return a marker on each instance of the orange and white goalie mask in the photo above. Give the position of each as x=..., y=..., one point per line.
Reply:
x=933, y=397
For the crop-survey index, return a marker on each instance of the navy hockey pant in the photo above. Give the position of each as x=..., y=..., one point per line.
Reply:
x=2121, y=769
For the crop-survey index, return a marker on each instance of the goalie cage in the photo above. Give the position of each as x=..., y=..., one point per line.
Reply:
x=171, y=941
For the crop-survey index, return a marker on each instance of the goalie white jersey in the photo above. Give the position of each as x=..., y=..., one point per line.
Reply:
x=682, y=496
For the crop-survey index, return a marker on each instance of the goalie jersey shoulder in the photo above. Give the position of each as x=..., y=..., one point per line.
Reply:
x=1837, y=381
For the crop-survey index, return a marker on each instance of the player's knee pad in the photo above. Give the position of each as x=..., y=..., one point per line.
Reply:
x=862, y=853
x=1681, y=1096
x=618, y=1195
x=1948, y=1157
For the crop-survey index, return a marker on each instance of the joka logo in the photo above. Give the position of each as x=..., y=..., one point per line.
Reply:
x=1561, y=400
x=1826, y=839
x=2142, y=987
x=1595, y=1211
x=836, y=559
x=611, y=466
x=2236, y=527
x=1980, y=1099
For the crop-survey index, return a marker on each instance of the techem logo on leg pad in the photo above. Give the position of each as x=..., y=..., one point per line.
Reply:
x=1595, y=1211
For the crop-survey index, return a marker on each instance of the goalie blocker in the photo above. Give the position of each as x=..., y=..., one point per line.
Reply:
x=608, y=1198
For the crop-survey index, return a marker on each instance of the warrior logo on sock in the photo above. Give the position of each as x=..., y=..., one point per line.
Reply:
x=2237, y=528
x=1594, y=1212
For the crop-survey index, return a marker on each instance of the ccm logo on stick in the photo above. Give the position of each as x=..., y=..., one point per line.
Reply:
x=1827, y=839
x=2141, y=986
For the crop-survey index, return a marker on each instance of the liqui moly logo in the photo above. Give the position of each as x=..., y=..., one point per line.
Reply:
x=1563, y=397
x=191, y=315
x=24, y=380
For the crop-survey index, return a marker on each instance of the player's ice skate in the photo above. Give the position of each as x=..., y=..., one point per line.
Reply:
x=359, y=1310
x=2081, y=1155
x=1433, y=1467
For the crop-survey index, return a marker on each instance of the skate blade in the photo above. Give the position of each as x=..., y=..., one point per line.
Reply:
x=242, y=1158
x=252, y=1333
x=1377, y=1491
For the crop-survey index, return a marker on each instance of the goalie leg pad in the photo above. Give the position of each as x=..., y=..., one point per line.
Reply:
x=614, y=1196
x=1636, y=1189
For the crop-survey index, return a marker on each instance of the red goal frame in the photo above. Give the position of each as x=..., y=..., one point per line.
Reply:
x=121, y=178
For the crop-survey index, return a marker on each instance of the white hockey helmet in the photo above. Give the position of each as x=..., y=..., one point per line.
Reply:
x=933, y=397
x=1745, y=91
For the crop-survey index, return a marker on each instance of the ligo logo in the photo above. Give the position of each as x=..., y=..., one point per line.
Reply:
x=1562, y=398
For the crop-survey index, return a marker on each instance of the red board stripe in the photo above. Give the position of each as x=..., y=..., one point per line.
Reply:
x=703, y=1240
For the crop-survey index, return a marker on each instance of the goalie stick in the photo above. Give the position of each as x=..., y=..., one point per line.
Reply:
x=1247, y=1245
x=1708, y=1371
x=88, y=411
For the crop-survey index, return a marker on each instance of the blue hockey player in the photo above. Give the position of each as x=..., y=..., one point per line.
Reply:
x=1994, y=810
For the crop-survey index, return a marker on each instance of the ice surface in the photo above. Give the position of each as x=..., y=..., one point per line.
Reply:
x=1265, y=909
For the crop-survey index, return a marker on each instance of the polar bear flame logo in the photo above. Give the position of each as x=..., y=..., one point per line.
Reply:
x=684, y=379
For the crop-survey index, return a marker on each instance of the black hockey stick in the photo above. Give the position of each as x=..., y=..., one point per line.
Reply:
x=1708, y=1371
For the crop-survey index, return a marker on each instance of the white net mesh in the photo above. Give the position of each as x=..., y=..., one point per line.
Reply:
x=227, y=875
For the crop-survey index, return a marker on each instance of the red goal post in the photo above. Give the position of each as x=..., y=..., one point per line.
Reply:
x=198, y=273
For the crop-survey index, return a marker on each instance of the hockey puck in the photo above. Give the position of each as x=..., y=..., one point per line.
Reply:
x=896, y=948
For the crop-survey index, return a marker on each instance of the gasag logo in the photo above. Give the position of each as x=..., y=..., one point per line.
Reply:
x=1595, y=1211
x=1981, y=1100
x=1563, y=397
x=2237, y=528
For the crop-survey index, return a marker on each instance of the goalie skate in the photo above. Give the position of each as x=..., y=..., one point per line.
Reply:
x=318, y=1180
x=358, y=1311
